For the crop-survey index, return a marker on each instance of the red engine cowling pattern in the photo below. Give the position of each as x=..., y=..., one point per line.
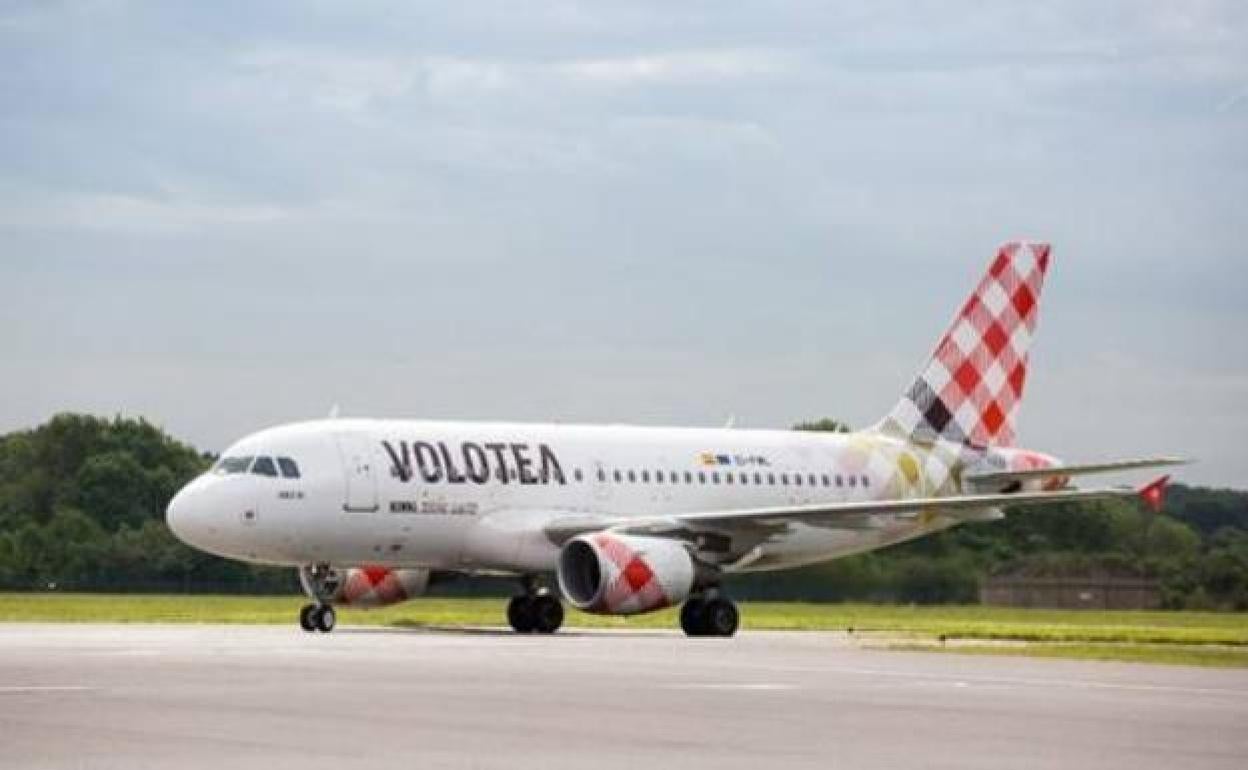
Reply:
x=621, y=575
x=379, y=586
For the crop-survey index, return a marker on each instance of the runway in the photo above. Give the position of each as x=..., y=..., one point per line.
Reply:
x=112, y=696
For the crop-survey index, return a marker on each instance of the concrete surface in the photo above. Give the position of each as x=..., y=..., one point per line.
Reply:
x=108, y=696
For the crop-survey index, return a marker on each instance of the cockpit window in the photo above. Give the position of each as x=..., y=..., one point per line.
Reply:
x=231, y=465
x=289, y=468
x=264, y=467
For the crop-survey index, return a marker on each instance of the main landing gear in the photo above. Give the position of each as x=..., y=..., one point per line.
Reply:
x=709, y=614
x=537, y=610
x=317, y=617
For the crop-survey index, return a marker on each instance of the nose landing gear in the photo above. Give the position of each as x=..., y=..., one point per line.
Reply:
x=537, y=610
x=320, y=582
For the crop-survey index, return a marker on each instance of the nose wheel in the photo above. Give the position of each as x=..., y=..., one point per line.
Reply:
x=317, y=617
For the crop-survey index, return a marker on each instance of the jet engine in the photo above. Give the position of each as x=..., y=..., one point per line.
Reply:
x=614, y=574
x=366, y=586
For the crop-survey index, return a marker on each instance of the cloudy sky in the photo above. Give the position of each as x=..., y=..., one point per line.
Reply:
x=226, y=215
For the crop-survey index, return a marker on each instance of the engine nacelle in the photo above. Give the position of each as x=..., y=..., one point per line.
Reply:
x=366, y=586
x=621, y=575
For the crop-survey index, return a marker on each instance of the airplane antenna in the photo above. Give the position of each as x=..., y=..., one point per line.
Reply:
x=333, y=412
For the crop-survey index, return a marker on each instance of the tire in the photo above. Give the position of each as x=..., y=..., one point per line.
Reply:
x=547, y=614
x=325, y=619
x=720, y=618
x=521, y=615
x=692, y=617
x=307, y=619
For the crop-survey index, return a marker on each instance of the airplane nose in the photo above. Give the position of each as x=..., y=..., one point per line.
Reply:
x=189, y=516
x=178, y=515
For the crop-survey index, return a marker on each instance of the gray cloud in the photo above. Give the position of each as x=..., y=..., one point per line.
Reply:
x=228, y=215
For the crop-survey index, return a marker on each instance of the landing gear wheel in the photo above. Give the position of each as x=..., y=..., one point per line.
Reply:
x=709, y=617
x=325, y=618
x=691, y=617
x=720, y=618
x=307, y=617
x=547, y=613
x=521, y=614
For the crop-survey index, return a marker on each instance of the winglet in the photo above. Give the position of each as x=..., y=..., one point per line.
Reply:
x=1154, y=493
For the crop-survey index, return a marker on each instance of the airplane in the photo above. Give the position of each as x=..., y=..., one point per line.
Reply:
x=632, y=519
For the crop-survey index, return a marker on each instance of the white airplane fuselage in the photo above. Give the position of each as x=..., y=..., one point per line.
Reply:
x=473, y=497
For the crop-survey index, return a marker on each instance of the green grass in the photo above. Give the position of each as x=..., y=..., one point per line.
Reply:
x=1198, y=638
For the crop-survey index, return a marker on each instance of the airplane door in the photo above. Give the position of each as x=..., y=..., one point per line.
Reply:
x=356, y=452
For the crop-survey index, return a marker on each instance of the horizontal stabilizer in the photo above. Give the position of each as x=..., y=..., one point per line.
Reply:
x=1114, y=466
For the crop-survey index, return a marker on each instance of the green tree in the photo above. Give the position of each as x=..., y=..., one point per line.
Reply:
x=825, y=424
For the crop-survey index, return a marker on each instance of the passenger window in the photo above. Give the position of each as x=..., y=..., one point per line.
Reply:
x=797, y=479
x=728, y=478
x=576, y=474
x=771, y=479
x=602, y=475
x=784, y=479
x=811, y=480
x=853, y=481
x=688, y=477
x=745, y=478
x=632, y=477
x=758, y=478
x=714, y=477
x=289, y=469
x=866, y=481
x=658, y=476
x=264, y=467
x=701, y=477
x=616, y=475
x=840, y=480
x=645, y=477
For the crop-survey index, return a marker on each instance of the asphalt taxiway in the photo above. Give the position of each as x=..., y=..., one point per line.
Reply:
x=115, y=696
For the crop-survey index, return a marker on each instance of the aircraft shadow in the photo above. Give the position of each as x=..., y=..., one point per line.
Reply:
x=497, y=631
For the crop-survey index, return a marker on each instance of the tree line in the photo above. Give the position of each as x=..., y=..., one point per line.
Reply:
x=82, y=503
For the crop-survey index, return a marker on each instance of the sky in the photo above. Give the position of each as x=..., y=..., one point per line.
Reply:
x=223, y=216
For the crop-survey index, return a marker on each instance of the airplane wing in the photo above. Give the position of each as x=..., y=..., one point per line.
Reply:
x=955, y=506
x=851, y=515
x=1065, y=471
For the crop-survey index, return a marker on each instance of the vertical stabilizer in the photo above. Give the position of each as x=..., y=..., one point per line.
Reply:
x=970, y=390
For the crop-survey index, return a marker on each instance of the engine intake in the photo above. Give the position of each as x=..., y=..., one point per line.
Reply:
x=622, y=575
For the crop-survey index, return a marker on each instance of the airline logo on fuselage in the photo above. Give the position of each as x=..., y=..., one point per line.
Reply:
x=473, y=463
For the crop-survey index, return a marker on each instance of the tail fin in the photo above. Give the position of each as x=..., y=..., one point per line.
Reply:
x=970, y=391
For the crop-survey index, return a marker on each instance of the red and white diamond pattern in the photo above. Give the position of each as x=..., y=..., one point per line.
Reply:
x=970, y=391
x=632, y=585
x=371, y=587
